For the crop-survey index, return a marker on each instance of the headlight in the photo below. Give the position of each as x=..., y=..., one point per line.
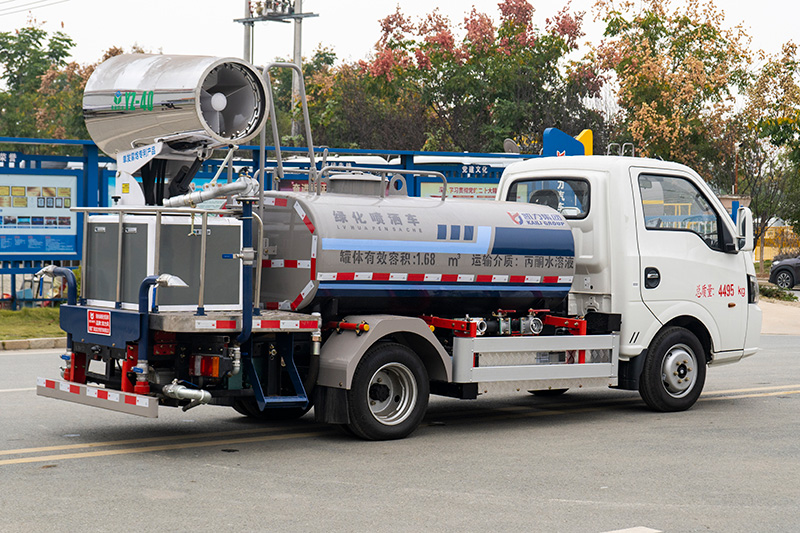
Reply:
x=752, y=289
x=776, y=263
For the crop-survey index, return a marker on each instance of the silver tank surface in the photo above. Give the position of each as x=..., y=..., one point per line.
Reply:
x=132, y=99
x=345, y=253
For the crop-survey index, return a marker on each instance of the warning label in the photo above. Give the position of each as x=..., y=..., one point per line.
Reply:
x=98, y=322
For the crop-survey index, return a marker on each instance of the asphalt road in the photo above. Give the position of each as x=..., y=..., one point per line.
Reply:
x=590, y=461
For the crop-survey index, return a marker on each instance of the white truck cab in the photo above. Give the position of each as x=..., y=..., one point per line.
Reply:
x=655, y=245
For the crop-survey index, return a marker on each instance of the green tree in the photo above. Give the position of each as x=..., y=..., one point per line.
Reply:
x=675, y=70
x=493, y=83
x=26, y=54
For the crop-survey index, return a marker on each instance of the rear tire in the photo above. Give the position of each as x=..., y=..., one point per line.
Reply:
x=674, y=371
x=389, y=393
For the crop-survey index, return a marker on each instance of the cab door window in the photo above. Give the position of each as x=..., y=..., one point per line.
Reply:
x=671, y=203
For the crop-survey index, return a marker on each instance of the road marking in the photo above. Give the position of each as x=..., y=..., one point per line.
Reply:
x=638, y=529
x=18, y=390
x=139, y=441
x=753, y=389
x=163, y=447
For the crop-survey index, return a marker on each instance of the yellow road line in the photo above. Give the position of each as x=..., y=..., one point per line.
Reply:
x=18, y=390
x=163, y=447
x=753, y=389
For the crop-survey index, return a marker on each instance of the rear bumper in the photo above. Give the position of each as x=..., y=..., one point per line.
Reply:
x=123, y=402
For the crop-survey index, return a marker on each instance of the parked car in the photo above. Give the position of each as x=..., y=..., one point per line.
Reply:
x=785, y=273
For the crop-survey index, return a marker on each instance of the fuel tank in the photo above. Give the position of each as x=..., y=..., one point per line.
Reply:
x=342, y=253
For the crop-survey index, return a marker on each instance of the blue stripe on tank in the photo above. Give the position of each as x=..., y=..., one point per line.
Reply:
x=371, y=289
x=533, y=241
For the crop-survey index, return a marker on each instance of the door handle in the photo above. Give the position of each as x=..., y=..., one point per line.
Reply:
x=652, y=277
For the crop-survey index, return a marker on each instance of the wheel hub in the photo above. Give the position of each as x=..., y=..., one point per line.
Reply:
x=678, y=370
x=392, y=394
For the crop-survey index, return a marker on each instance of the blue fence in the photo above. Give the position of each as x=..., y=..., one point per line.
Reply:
x=37, y=192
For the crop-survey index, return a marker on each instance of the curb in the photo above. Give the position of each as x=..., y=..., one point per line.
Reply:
x=34, y=344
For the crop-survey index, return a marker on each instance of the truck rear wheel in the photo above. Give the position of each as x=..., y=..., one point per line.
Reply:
x=249, y=408
x=674, y=371
x=389, y=394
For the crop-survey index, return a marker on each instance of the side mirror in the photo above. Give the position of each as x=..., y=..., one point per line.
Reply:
x=744, y=228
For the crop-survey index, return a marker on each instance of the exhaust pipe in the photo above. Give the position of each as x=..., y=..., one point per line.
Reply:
x=181, y=392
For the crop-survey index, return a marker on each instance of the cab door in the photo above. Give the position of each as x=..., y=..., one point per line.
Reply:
x=684, y=266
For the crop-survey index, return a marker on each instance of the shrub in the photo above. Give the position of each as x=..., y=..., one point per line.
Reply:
x=771, y=291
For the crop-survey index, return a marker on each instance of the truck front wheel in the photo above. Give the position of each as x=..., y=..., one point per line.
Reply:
x=674, y=371
x=389, y=394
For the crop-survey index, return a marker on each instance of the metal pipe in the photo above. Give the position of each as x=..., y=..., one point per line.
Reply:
x=237, y=360
x=247, y=271
x=203, y=246
x=276, y=139
x=142, y=387
x=243, y=185
x=84, y=253
x=259, y=258
x=384, y=171
x=181, y=392
x=72, y=290
x=157, y=253
x=148, y=209
x=119, y=262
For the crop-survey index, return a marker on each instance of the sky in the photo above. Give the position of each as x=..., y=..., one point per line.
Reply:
x=350, y=28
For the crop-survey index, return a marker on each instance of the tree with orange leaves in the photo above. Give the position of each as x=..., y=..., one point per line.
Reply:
x=675, y=71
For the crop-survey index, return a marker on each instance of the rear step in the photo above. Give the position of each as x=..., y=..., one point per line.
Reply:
x=123, y=402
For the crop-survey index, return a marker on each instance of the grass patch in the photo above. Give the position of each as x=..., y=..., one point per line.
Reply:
x=775, y=292
x=30, y=323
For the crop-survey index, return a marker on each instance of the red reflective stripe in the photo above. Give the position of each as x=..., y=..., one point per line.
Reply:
x=448, y=278
x=345, y=276
x=266, y=263
x=484, y=278
x=270, y=323
x=550, y=279
x=517, y=279
x=280, y=202
x=226, y=324
x=416, y=277
x=50, y=384
x=271, y=305
x=290, y=263
x=309, y=225
x=297, y=302
x=130, y=400
x=102, y=394
x=313, y=268
x=380, y=276
x=308, y=324
x=74, y=389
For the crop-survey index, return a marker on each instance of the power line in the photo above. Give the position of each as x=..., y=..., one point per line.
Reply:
x=17, y=10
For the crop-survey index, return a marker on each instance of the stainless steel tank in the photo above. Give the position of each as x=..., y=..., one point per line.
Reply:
x=132, y=99
x=345, y=253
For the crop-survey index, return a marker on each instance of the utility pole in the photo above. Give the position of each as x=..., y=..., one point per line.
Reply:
x=248, y=34
x=298, y=60
x=277, y=11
